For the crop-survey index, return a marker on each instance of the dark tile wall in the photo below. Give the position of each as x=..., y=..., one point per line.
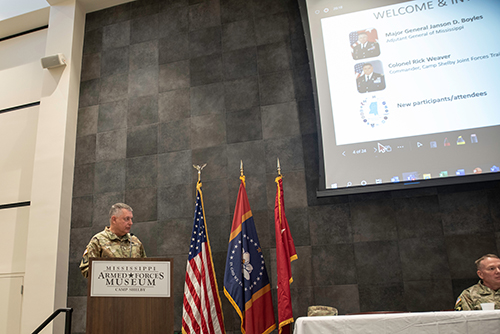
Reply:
x=171, y=83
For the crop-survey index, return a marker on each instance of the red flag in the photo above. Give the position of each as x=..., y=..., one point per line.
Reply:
x=285, y=254
x=202, y=312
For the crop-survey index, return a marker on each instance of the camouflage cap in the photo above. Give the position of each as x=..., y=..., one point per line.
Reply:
x=313, y=311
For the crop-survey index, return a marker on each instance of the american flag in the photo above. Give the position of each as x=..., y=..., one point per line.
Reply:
x=353, y=38
x=358, y=69
x=202, y=312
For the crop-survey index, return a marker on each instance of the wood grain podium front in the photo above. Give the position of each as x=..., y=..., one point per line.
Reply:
x=130, y=295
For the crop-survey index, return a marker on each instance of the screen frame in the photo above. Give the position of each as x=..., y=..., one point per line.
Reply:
x=322, y=190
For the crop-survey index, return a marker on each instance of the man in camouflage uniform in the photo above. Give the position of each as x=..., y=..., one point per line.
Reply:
x=488, y=288
x=115, y=240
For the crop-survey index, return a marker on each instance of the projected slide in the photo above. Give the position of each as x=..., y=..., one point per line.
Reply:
x=413, y=69
x=399, y=84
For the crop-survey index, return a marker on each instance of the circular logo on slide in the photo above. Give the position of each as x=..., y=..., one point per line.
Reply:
x=373, y=111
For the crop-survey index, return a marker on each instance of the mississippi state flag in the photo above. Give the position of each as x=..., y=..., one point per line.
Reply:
x=246, y=283
x=202, y=312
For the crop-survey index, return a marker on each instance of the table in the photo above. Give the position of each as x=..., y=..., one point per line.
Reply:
x=448, y=322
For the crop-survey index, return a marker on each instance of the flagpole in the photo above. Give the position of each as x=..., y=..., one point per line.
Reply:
x=279, y=167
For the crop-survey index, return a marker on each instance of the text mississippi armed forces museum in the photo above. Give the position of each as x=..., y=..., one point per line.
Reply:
x=131, y=275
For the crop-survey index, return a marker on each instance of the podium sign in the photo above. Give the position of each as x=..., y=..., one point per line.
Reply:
x=130, y=295
x=130, y=279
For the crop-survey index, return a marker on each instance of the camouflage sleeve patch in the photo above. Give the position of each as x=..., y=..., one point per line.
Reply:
x=84, y=264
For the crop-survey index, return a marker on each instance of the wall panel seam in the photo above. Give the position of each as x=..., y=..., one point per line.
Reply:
x=14, y=205
x=23, y=106
x=23, y=33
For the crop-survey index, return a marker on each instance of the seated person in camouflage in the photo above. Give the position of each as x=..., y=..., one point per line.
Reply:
x=115, y=240
x=488, y=288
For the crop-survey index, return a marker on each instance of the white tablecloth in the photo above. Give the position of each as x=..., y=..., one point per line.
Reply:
x=450, y=322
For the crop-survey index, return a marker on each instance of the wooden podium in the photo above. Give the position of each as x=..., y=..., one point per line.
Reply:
x=130, y=295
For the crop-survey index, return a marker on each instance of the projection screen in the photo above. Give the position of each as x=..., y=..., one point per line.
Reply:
x=407, y=92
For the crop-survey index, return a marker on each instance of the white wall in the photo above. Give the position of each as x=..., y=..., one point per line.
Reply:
x=18, y=7
x=17, y=147
x=37, y=147
x=18, y=130
x=47, y=253
x=20, y=83
x=10, y=305
x=20, y=69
